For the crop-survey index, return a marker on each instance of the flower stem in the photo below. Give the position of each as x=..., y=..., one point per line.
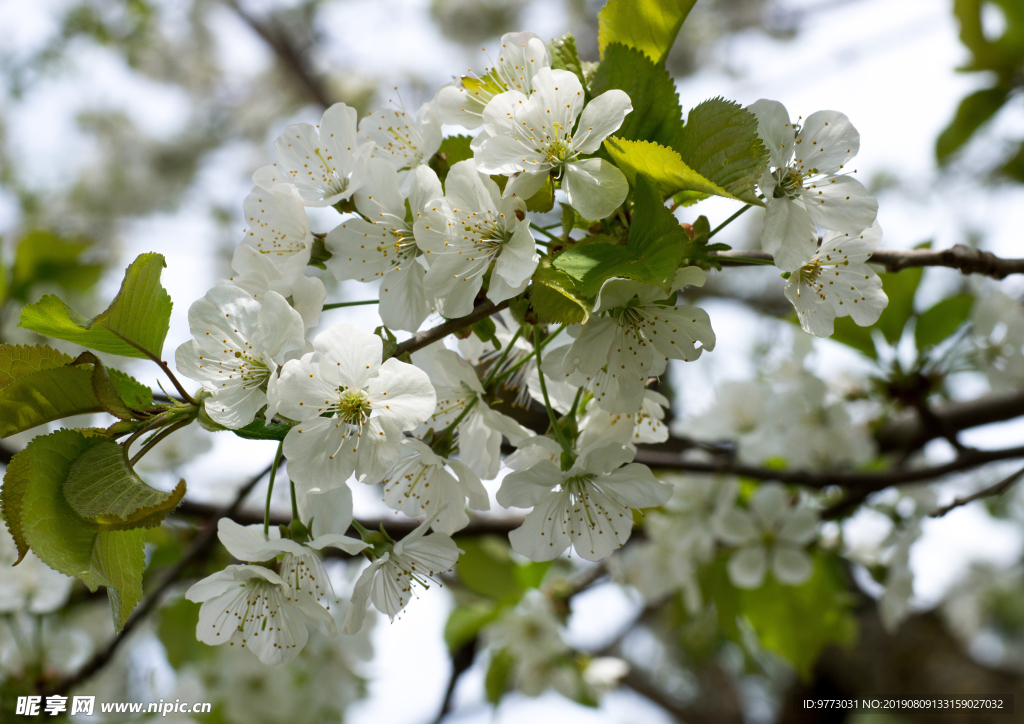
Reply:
x=270, y=487
x=575, y=403
x=547, y=402
x=455, y=423
x=546, y=233
x=511, y=370
x=157, y=438
x=339, y=305
x=501, y=360
x=728, y=221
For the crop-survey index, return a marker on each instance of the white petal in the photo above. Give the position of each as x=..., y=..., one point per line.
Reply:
x=769, y=503
x=827, y=142
x=320, y=454
x=601, y=118
x=543, y=536
x=361, y=597
x=281, y=327
x=527, y=488
x=735, y=527
x=799, y=527
x=402, y=393
x=352, y=354
x=840, y=203
x=594, y=187
x=791, y=566
x=747, y=567
x=774, y=128
x=789, y=234
x=403, y=298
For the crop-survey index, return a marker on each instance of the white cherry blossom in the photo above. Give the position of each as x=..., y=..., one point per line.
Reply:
x=31, y=585
x=590, y=506
x=837, y=282
x=237, y=346
x=382, y=245
x=771, y=534
x=459, y=391
x=421, y=484
x=258, y=274
x=642, y=426
x=522, y=54
x=464, y=232
x=368, y=404
x=538, y=134
x=388, y=581
x=403, y=141
x=634, y=337
x=324, y=163
x=255, y=608
x=805, y=184
x=278, y=228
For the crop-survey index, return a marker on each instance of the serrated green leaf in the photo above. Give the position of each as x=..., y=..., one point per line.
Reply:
x=486, y=568
x=17, y=360
x=846, y=331
x=107, y=394
x=12, y=499
x=565, y=57
x=259, y=429
x=102, y=488
x=657, y=115
x=556, y=298
x=55, y=533
x=941, y=320
x=662, y=165
x=720, y=143
x=44, y=257
x=465, y=622
x=499, y=671
x=453, y=149
x=140, y=312
x=650, y=26
x=652, y=254
x=118, y=558
x=44, y=396
x=135, y=394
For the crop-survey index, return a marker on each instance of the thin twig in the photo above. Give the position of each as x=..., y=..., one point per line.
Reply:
x=998, y=489
x=163, y=365
x=422, y=339
x=198, y=548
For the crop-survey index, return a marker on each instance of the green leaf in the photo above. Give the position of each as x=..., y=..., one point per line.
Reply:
x=657, y=115
x=650, y=26
x=390, y=341
x=565, y=57
x=937, y=323
x=486, y=568
x=973, y=112
x=12, y=499
x=102, y=488
x=556, y=297
x=465, y=622
x=182, y=615
x=132, y=392
x=107, y=394
x=662, y=165
x=17, y=361
x=847, y=332
x=453, y=149
x=544, y=200
x=499, y=672
x=140, y=312
x=720, y=143
x=44, y=396
x=47, y=523
x=259, y=429
x=900, y=287
x=118, y=558
x=652, y=254
x=796, y=622
x=44, y=257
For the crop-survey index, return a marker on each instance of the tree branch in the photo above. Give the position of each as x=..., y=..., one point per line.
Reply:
x=963, y=258
x=998, y=489
x=196, y=550
x=293, y=58
x=422, y=339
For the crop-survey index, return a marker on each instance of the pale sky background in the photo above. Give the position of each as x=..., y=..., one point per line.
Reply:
x=887, y=65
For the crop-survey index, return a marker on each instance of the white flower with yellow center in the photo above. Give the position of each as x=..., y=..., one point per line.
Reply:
x=401, y=140
x=324, y=163
x=257, y=609
x=382, y=245
x=805, y=184
x=421, y=484
x=388, y=581
x=837, y=282
x=278, y=228
x=466, y=231
x=539, y=134
x=633, y=333
x=351, y=409
x=642, y=426
x=590, y=506
x=238, y=345
x=521, y=56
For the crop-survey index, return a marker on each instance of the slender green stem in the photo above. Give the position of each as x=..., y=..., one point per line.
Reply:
x=575, y=403
x=545, y=244
x=270, y=487
x=501, y=360
x=745, y=260
x=728, y=221
x=547, y=401
x=153, y=423
x=339, y=305
x=549, y=226
x=163, y=365
x=157, y=438
x=546, y=233
x=295, y=502
x=511, y=370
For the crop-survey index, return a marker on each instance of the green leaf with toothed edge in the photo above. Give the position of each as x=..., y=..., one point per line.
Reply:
x=650, y=26
x=556, y=297
x=102, y=488
x=17, y=360
x=565, y=57
x=141, y=313
x=118, y=558
x=662, y=165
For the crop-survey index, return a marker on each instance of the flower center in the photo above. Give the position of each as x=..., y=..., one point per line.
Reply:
x=354, y=407
x=336, y=184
